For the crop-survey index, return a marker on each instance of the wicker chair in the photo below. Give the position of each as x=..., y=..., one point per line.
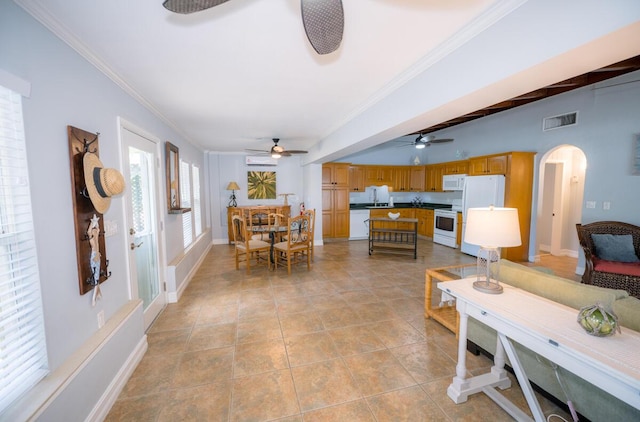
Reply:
x=599, y=272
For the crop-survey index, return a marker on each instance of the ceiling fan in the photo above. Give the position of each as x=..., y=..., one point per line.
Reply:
x=423, y=141
x=277, y=151
x=323, y=19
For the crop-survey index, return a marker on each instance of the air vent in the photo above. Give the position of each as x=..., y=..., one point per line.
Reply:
x=563, y=120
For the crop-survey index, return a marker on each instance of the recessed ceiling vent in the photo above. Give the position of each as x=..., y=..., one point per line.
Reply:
x=556, y=122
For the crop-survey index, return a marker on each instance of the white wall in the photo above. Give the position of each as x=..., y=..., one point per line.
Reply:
x=67, y=90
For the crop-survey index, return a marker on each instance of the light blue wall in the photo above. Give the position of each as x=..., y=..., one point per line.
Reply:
x=607, y=126
x=67, y=90
x=225, y=168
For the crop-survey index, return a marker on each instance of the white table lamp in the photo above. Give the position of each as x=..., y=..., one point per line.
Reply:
x=491, y=228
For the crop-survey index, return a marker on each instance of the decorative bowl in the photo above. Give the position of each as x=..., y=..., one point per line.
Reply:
x=394, y=215
x=597, y=321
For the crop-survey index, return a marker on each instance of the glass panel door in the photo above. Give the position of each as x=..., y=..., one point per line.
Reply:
x=142, y=223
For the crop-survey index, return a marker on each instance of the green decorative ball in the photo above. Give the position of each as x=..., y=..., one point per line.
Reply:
x=597, y=321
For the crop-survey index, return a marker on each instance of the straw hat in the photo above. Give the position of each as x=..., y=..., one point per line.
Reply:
x=102, y=183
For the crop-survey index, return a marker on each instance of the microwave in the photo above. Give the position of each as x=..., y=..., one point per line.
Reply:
x=453, y=181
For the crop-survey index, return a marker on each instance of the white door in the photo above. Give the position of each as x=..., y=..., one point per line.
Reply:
x=140, y=158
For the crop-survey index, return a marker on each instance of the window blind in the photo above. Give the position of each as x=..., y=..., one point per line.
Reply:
x=23, y=354
x=185, y=200
x=197, y=212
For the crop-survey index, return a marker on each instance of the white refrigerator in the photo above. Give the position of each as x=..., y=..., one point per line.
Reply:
x=480, y=191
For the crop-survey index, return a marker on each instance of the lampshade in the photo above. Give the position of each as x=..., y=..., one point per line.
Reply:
x=493, y=227
x=233, y=186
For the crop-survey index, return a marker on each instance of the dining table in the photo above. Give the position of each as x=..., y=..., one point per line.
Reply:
x=275, y=235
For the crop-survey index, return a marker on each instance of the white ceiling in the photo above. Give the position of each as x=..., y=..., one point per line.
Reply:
x=234, y=76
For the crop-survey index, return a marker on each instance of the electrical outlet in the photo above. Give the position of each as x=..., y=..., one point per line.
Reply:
x=591, y=204
x=606, y=205
x=101, y=319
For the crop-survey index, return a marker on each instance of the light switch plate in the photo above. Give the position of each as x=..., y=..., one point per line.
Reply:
x=591, y=204
x=606, y=205
x=110, y=228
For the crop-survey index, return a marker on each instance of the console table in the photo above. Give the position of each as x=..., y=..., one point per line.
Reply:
x=399, y=235
x=550, y=330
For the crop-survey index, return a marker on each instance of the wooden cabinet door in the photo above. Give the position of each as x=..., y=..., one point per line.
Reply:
x=416, y=179
x=459, y=230
x=456, y=167
x=401, y=177
x=327, y=174
x=433, y=178
x=421, y=216
x=335, y=212
x=429, y=223
x=336, y=174
x=341, y=174
x=477, y=166
x=385, y=175
x=371, y=175
x=492, y=164
x=497, y=164
x=356, y=179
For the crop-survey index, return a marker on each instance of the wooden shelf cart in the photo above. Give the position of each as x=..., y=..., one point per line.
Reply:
x=395, y=236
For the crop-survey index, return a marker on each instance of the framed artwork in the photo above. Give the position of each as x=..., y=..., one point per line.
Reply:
x=261, y=184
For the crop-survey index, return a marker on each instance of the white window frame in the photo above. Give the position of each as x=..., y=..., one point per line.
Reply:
x=23, y=348
x=197, y=204
x=185, y=202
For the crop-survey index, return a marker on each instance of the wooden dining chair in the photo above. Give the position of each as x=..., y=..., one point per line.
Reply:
x=312, y=226
x=247, y=247
x=296, y=246
x=261, y=223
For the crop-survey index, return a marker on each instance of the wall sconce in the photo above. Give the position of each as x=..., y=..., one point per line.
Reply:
x=233, y=187
x=491, y=228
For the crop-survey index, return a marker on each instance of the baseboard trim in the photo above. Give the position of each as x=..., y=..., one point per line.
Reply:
x=108, y=399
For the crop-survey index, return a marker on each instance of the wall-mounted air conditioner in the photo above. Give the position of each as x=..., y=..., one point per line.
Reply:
x=261, y=160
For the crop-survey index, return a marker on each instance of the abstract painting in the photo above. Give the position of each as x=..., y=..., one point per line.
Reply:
x=261, y=184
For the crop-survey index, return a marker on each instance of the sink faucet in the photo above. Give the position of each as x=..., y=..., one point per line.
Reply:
x=375, y=197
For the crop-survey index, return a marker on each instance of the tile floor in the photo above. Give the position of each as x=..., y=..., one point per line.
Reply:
x=346, y=341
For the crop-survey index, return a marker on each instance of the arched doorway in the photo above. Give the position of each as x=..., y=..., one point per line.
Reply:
x=560, y=196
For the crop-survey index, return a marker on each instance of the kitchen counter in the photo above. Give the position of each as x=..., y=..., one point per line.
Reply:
x=428, y=206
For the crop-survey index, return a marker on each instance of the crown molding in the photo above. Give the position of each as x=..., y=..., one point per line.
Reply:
x=42, y=15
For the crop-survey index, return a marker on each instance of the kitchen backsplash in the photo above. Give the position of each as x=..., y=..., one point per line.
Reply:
x=382, y=194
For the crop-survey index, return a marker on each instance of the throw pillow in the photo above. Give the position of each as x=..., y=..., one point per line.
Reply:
x=613, y=247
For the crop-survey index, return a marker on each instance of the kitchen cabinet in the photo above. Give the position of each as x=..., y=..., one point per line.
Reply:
x=489, y=164
x=378, y=175
x=416, y=178
x=425, y=222
x=456, y=167
x=335, y=200
x=518, y=193
x=335, y=174
x=433, y=177
x=401, y=179
x=356, y=179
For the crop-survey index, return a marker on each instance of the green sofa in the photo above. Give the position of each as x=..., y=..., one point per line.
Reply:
x=590, y=401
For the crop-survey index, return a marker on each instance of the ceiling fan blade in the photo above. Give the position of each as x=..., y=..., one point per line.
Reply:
x=324, y=24
x=257, y=150
x=440, y=141
x=296, y=151
x=190, y=6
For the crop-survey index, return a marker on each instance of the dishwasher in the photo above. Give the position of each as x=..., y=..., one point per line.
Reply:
x=358, y=224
